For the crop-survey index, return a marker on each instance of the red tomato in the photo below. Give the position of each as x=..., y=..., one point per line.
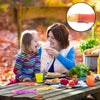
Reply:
x=71, y=83
x=67, y=75
x=76, y=81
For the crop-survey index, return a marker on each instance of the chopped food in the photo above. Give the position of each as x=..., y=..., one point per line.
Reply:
x=49, y=74
x=74, y=76
x=64, y=81
x=56, y=80
x=93, y=51
x=71, y=83
x=39, y=96
x=28, y=83
x=76, y=81
x=48, y=81
x=46, y=88
x=90, y=73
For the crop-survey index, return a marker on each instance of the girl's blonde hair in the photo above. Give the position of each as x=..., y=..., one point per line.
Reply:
x=25, y=41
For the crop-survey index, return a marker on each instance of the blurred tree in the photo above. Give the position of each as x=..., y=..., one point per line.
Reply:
x=58, y=3
x=3, y=6
x=5, y=1
x=31, y=2
x=76, y=1
x=92, y=2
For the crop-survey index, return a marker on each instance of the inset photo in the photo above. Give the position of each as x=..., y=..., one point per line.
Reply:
x=81, y=17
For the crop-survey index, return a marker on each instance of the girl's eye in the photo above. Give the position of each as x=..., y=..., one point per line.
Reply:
x=35, y=41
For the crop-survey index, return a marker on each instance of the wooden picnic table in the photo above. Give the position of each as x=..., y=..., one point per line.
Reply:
x=53, y=94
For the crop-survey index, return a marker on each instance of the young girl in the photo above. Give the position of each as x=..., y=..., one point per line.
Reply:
x=28, y=61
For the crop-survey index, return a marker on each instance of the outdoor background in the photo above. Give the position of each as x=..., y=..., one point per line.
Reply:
x=9, y=34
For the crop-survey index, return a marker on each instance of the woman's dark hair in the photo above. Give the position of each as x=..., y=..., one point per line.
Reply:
x=61, y=34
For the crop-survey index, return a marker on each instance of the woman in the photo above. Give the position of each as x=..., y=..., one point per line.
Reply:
x=59, y=57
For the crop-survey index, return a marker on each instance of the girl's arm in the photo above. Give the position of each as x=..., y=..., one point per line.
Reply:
x=37, y=64
x=18, y=67
x=69, y=60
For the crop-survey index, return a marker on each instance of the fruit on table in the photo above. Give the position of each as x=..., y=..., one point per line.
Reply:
x=76, y=81
x=39, y=96
x=64, y=81
x=73, y=82
x=68, y=75
x=91, y=73
x=74, y=76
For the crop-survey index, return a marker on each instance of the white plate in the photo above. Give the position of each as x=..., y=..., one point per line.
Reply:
x=79, y=79
x=80, y=84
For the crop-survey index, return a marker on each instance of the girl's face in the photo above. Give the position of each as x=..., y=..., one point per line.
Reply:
x=53, y=42
x=34, y=42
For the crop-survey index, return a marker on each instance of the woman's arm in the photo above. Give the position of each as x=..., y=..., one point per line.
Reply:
x=69, y=60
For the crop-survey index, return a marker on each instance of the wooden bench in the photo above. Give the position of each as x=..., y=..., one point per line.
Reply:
x=53, y=94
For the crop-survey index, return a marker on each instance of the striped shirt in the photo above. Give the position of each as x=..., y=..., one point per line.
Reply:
x=26, y=66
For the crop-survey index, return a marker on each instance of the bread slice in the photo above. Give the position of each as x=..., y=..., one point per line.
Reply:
x=49, y=74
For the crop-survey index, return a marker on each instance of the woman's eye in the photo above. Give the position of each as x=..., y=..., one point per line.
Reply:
x=34, y=41
x=51, y=37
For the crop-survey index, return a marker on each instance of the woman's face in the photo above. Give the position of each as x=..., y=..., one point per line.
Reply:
x=53, y=42
x=34, y=43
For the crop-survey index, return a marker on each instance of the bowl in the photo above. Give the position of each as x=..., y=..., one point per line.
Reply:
x=90, y=61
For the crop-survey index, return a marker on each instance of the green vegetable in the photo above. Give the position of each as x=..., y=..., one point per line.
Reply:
x=89, y=43
x=81, y=71
x=72, y=72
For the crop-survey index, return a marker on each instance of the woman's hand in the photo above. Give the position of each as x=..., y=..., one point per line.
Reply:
x=27, y=80
x=52, y=52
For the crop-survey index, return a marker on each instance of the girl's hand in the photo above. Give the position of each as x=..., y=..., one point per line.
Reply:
x=52, y=52
x=27, y=80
